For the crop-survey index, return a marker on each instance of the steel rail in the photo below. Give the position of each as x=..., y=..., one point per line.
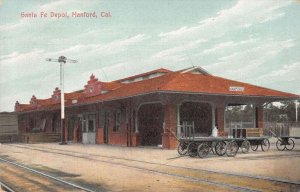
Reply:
x=188, y=178
x=46, y=175
x=6, y=187
x=279, y=180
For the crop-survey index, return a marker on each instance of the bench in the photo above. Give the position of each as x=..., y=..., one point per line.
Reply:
x=254, y=132
x=246, y=132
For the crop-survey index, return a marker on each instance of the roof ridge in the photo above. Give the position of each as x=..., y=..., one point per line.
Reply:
x=145, y=73
x=159, y=87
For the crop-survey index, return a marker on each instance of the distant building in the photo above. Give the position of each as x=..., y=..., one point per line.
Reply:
x=8, y=127
x=146, y=109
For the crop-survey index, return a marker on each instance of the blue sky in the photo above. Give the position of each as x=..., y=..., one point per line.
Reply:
x=255, y=41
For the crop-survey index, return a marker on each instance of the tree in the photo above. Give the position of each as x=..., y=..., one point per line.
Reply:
x=289, y=108
x=281, y=112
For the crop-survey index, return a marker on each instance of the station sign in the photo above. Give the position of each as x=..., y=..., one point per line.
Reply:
x=235, y=88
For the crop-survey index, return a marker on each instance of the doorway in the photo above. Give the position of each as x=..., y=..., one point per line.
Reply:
x=200, y=115
x=71, y=127
x=150, y=123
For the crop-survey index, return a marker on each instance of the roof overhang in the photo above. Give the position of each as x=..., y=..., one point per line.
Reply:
x=264, y=99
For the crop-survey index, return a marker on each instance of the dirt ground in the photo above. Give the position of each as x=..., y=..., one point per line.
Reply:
x=114, y=168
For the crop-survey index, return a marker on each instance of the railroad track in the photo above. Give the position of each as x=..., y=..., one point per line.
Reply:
x=5, y=188
x=46, y=149
x=189, y=174
x=23, y=178
x=269, y=157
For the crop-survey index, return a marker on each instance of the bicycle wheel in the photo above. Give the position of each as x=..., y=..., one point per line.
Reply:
x=254, y=147
x=192, y=149
x=265, y=145
x=291, y=144
x=203, y=150
x=182, y=148
x=213, y=146
x=245, y=146
x=279, y=145
x=232, y=149
x=220, y=148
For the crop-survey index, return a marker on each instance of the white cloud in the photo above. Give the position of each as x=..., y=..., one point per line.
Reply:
x=55, y=4
x=289, y=70
x=285, y=78
x=179, y=49
x=65, y=5
x=17, y=65
x=12, y=26
x=26, y=68
x=103, y=49
x=219, y=47
x=228, y=45
x=241, y=62
x=246, y=25
x=244, y=14
x=272, y=17
x=108, y=73
x=9, y=56
x=183, y=31
x=21, y=65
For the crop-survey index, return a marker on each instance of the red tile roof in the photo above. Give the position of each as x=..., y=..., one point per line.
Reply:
x=44, y=101
x=191, y=83
x=198, y=83
x=170, y=82
x=111, y=85
x=25, y=107
x=73, y=95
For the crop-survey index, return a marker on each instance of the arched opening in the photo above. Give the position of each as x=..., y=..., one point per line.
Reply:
x=150, y=124
x=200, y=115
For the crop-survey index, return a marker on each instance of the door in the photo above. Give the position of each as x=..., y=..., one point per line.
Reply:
x=150, y=123
x=89, y=127
x=71, y=127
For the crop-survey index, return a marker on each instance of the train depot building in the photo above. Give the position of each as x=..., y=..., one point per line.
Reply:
x=148, y=109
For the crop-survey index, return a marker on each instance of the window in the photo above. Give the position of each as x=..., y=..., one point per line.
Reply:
x=146, y=77
x=117, y=121
x=91, y=89
x=91, y=122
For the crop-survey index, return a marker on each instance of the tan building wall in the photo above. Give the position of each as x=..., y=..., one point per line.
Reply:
x=8, y=123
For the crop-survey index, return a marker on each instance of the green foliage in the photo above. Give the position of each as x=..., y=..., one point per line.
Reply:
x=243, y=113
x=282, y=112
x=273, y=112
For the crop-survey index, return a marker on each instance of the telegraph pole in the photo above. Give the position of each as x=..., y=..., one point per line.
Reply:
x=62, y=60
